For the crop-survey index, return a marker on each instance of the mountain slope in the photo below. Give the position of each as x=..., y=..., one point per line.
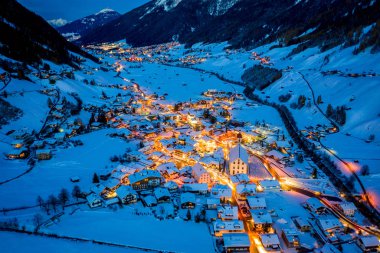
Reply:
x=78, y=28
x=27, y=37
x=244, y=23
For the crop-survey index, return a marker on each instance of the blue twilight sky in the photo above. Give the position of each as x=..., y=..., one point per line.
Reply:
x=73, y=9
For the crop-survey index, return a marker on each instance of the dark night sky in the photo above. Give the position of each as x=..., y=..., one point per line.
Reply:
x=74, y=9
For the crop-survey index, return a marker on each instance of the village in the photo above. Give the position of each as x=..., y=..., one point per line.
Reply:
x=194, y=161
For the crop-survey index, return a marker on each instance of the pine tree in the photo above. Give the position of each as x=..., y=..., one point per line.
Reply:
x=53, y=201
x=63, y=197
x=329, y=110
x=95, y=179
x=188, y=215
x=76, y=192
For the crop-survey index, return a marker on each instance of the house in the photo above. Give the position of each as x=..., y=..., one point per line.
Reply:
x=240, y=179
x=270, y=242
x=236, y=242
x=145, y=179
x=149, y=201
x=348, y=208
x=290, y=237
x=238, y=160
x=93, y=200
x=75, y=179
x=200, y=174
x=212, y=203
x=126, y=194
x=221, y=192
x=227, y=212
x=195, y=188
x=301, y=224
x=188, y=200
x=162, y=194
x=112, y=201
x=223, y=227
x=314, y=205
x=369, y=243
x=262, y=221
x=245, y=190
x=268, y=184
x=43, y=154
x=171, y=186
x=257, y=203
x=17, y=144
x=38, y=144
x=329, y=225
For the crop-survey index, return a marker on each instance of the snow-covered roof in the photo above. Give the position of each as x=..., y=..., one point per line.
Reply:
x=228, y=212
x=91, y=198
x=269, y=184
x=228, y=225
x=327, y=223
x=239, y=178
x=257, y=202
x=236, y=240
x=171, y=185
x=198, y=170
x=150, y=200
x=195, y=187
x=221, y=191
x=369, y=241
x=138, y=176
x=161, y=192
x=238, y=152
x=269, y=240
x=275, y=154
x=247, y=189
x=187, y=197
x=347, y=206
x=125, y=190
x=261, y=218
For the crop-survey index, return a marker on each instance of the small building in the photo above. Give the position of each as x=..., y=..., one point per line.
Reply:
x=222, y=192
x=268, y=185
x=93, y=200
x=188, y=200
x=245, y=190
x=43, y=154
x=18, y=154
x=162, y=194
x=302, y=224
x=330, y=226
x=257, y=203
x=212, y=203
x=200, y=174
x=314, y=205
x=195, y=188
x=236, y=242
x=290, y=237
x=227, y=212
x=240, y=179
x=126, y=194
x=149, y=201
x=238, y=160
x=145, y=179
x=171, y=186
x=368, y=243
x=17, y=144
x=262, y=221
x=348, y=208
x=222, y=227
x=270, y=242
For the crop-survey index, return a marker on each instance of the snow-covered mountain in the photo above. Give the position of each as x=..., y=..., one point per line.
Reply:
x=246, y=23
x=28, y=38
x=74, y=30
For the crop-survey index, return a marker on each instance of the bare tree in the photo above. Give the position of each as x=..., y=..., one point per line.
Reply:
x=37, y=220
x=63, y=197
x=53, y=201
x=76, y=192
x=40, y=201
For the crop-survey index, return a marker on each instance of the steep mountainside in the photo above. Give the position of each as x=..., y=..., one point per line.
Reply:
x=80, y=27
x=246, y=23
x=27, y=37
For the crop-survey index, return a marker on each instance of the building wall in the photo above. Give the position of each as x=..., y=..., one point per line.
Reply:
x=237, y=167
